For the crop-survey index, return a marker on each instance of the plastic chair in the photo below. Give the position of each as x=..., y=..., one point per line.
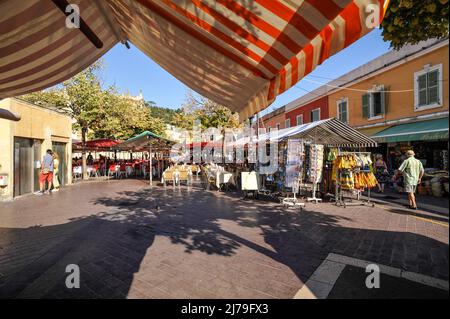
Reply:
x=168, y=176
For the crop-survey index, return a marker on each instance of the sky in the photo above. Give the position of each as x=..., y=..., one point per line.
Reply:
x=132, y=71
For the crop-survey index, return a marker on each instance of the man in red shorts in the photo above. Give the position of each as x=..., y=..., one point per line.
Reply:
x=46, y=174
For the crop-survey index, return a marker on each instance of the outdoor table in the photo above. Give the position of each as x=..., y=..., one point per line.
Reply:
x=92, y=170
x=219, y=177
x=77, y=171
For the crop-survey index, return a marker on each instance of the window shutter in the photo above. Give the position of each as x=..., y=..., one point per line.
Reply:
x=422, y=87
x=433, y=87
x=365, y=105
x=384, y=99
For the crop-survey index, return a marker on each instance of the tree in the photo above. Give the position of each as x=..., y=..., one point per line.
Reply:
x=412, y=21
x=124, y=117
x=163, y=113
x=80, y=97
x=208, y=112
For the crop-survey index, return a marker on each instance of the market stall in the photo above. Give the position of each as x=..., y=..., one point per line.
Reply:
x=100, y=155
x=158, y=148
x=307, y=156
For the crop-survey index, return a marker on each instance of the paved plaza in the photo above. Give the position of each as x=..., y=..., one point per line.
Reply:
x=132, y=241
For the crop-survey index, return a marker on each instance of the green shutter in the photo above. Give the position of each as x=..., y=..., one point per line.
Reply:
x=365, y=105
x=433, y=87
x=385, y=99
x=422, y=88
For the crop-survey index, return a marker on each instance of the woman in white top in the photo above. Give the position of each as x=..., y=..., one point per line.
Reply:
x=56, y=184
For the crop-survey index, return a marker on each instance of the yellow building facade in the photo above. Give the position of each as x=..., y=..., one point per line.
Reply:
x=25, y=142
x=400, y=99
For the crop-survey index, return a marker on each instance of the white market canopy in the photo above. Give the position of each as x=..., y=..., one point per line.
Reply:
x=239, y=53
x=329, y=132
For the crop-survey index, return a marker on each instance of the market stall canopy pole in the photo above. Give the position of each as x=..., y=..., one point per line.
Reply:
x=84, y=28
x=241, y=54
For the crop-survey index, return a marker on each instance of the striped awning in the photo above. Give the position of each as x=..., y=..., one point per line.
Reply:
x=329, y=132
x=37, y=50
x=239, y=53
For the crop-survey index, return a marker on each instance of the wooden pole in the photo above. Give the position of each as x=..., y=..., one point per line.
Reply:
x=150, y=166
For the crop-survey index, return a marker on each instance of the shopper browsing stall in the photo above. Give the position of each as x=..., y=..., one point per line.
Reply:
x=412, y=171
x=381, y=172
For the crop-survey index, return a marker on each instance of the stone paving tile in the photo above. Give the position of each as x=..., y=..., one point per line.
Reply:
x=197, y=245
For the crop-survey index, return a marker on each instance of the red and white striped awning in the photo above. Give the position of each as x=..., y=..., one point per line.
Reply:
x=239, y=53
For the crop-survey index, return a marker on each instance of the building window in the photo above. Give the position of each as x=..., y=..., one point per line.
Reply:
x=342, y=110
x=428, y=88
x=315, y=115
x=300, y=119
x=374, y=103
x=287, y=123
x=277, y=126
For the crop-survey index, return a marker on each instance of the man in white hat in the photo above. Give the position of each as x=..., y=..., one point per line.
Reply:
x=412, y=171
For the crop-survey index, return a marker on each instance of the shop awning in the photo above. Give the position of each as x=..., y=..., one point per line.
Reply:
x=143, y=141
x=96, y=145
x=418, y=131
x=241, y=54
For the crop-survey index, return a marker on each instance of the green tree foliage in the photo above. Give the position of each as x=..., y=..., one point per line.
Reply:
x=209, y=113
x=412, y=21
x=163, y=113
x=99, y=113
x=124, y=117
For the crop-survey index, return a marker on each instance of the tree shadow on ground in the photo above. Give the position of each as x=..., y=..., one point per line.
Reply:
x=110, y=247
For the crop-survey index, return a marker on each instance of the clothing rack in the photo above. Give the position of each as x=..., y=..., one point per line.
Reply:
x=339, y=198
x=315, y=182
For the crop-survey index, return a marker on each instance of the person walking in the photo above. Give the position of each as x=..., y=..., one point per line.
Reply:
x=46, y=174
x=56, y=184
x=381, y=172
x=412, y=171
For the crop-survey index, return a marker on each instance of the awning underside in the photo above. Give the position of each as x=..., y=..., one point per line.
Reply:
x=241, y=54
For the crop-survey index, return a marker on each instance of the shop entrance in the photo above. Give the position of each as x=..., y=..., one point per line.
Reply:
x=60, y=149
x=26, y=175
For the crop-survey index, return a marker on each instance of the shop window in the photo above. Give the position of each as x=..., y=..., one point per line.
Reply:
x=342, y=110
x=315, y=115
x=374, y=104
x=287, y=123
x=299, y=119
x=428, y=88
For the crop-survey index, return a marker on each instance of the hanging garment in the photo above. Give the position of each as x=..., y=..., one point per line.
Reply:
x=346, y=180
x=332, y=154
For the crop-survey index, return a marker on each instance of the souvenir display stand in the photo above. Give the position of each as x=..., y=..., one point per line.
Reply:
x=316, y=170
x=294, y=166
x=297, y=171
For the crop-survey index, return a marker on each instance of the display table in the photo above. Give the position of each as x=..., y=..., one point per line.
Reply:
x=219, y=177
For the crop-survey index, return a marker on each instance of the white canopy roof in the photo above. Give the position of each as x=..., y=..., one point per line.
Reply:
x=329, y=132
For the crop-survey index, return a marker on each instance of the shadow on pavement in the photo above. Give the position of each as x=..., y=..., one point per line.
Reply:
x=110, y=247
